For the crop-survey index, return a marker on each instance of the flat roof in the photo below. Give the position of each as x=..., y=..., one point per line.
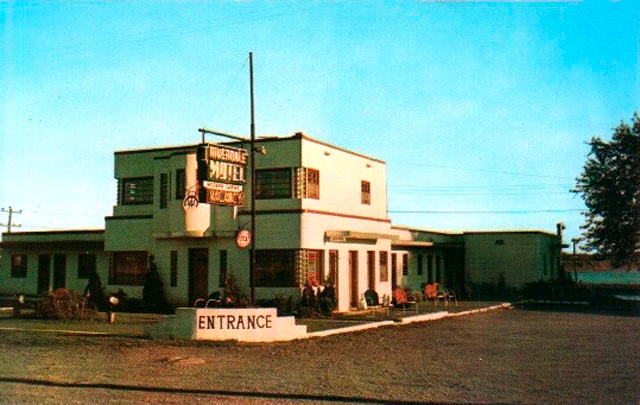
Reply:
x=192, y=147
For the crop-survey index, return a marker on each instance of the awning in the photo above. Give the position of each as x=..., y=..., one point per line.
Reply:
x=348, y=236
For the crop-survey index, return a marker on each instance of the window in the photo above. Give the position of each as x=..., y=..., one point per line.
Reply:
x=18, y=266
x=309, y=266
x=164, y=189
x=275, y=268
x=181, y=184
x=86, y=265
x=307, y=183
x=136, y=191
x=430, y=269
x=365, y=195
x=174, y=269
x=223, y=269
x=273, y=183
x=384, y=266
x=420, y=265
x=127, y=268
x=500, y=242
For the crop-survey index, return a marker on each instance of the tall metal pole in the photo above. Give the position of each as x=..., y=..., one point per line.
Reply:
x=252, y=264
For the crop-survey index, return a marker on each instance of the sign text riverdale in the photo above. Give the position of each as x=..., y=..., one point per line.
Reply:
x=221, y=174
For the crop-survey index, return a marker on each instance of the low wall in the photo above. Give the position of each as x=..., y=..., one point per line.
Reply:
x=241, y=324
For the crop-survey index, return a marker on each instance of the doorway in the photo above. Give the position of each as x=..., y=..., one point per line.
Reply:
x=59, y=271
x=198, y=274
x=44, y=274
x=353, y=279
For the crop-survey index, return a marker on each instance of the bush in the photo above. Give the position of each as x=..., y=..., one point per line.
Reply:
x=65, y=304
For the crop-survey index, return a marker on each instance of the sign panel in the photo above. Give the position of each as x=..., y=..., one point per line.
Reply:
x=221, y=174
x=241, y=324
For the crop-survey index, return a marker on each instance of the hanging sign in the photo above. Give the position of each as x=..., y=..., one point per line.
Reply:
x=243, y=238
x=221, y=174
x=190, y=202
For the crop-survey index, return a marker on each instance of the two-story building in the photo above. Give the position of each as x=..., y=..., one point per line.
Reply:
x=320, y=218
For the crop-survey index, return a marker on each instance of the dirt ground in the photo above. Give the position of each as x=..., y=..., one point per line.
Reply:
x=504, y=356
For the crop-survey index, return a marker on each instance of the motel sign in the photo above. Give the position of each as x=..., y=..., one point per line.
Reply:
x=221, y=174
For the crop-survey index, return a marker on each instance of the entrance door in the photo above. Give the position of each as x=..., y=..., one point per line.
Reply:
x=371, y=269
x=59, y=271
x=353, y=278
x=44, y=273
x=394, y=271
x=198, y=274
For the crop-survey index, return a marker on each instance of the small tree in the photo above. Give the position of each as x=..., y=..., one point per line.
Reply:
x=610, y=187
x=94, y=292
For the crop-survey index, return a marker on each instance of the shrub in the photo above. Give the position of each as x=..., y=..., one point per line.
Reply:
x=65, y=304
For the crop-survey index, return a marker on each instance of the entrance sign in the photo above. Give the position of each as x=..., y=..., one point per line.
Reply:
x=242, y=324
x=243, y=238
x=221, y=174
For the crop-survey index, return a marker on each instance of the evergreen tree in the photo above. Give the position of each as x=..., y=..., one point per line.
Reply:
x=153, y=291
x=610, y=187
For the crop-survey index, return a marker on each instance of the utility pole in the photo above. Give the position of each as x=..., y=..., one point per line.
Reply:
x=10, y=223
x=252, y=264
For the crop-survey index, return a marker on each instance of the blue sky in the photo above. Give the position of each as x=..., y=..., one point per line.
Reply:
x=482, y=111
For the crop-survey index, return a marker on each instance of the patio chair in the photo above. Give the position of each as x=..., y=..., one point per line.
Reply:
x=200, y=303
x=401, y=299
x=433, y=292
x=372, y=300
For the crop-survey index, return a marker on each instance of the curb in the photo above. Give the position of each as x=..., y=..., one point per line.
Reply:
x=405, y=321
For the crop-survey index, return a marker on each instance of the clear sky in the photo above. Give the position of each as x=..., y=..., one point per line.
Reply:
x=482, y=111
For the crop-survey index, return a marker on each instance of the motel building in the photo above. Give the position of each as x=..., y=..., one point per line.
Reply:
x=321, y=219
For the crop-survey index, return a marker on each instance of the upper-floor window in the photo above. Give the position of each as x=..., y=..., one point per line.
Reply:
x=288, y=182
x=365, y=192
x=164, y=189
x=181, y=184
x=273, y=183
x=136, y=191
x=308, y=183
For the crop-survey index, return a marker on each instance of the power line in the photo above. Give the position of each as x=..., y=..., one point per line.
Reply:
x=484, y=170
x=483, y=211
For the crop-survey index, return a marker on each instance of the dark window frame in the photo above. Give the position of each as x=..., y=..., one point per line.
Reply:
x=137, y=191
x=274, y=183
x=128, y=267
x=19, y=263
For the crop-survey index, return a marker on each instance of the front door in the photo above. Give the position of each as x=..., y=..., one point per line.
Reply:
x=394, y=271
x=59, y=271
x=198, y=274
x=353, y=279
x=44, y=274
